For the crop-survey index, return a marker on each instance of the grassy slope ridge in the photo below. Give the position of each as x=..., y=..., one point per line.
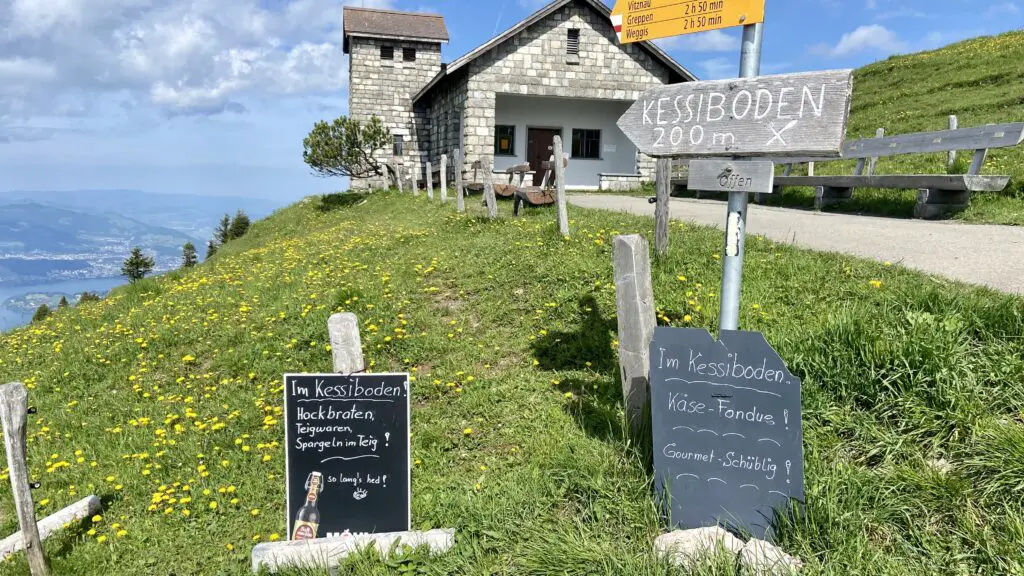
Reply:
x=980, y=80
x=165, y=399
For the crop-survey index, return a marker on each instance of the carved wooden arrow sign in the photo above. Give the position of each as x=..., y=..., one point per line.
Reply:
x=802, y=114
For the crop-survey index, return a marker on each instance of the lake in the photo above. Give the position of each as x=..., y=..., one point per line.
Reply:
x=13, y=318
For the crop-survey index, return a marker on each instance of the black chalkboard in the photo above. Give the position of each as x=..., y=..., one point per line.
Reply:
x=725, y=415
x=353, y=431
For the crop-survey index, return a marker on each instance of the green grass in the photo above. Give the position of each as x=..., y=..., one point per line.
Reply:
x=980, y=80
x=509, y=330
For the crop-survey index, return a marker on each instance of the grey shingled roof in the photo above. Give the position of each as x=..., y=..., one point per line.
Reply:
x=532, y=19
x=393, y=24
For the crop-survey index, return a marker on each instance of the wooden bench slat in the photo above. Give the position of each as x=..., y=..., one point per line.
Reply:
x=973, y=183
x=550, y=164
x=518, y=168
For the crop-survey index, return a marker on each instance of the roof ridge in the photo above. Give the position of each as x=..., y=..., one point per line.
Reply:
x=401, y=12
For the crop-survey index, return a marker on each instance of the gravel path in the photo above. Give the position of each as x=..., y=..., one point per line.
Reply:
x=979, y=254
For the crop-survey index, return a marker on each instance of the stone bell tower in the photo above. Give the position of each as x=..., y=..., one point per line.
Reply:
x=392, y=56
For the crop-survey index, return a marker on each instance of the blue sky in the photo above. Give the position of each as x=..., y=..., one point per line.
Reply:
x=215, y=96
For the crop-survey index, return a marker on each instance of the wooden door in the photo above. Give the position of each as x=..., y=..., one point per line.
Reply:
x=539, y=147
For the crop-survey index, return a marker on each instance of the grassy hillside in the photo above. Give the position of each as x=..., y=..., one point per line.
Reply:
x=980, y=80
x=165, y=399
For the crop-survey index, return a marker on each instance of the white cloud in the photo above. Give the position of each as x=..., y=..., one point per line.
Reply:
x=719, y=68
x=1004, y=8
x=872, y=37
x=871, y=4
x=710, y=41
x=181, y=55
x=903, y=13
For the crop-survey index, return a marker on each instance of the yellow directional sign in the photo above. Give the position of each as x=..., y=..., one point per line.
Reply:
x=636, y=20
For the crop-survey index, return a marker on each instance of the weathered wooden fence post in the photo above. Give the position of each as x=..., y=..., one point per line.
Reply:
x=871, y=165
x=430, y=181
x=13, y=410
x=636, y=323
x=346, y=345
x=563, y=212
x=460, y=194
x=492, y=202
x=416, y=177
x=444, y=178
x=953, y=123
x=810, y=168
x=398, y=174
x=663, y=180
x=84, y=508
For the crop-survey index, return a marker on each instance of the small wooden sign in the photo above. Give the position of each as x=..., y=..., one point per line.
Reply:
x=802, y=114
x=347, y=454
x=638, y=20
x=725, y=415
x=721, y=175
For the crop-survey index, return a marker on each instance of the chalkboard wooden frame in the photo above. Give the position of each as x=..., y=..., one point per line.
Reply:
x=406, y=477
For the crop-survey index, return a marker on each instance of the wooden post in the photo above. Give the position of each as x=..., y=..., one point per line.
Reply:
x=84, y=508
x=871, y=165
x=416, y=177
x=460, y=195
x=398, y=175
x=636, y=323
x=444, y=178
x=663, y=180
x=810, y=168
x=978, y=162
x=952, y=153
x=13, y=410
x=492, y=202
x=346, y=346
x=430, y=181
x=563, y=212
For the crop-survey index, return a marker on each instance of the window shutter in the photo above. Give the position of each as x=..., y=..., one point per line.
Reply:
x=573, y=42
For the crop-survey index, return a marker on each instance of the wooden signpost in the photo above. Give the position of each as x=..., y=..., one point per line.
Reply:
x=801, y=114
x=347, y=454
x=726, y=175
x=636, y=20
x=725, y=415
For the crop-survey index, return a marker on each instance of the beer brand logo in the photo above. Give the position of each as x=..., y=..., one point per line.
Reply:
x=305, y=532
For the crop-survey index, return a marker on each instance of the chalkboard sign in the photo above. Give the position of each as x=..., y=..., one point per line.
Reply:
x=347, y=454
x=728, y=447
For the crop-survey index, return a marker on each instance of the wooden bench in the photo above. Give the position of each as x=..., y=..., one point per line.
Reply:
x=508, y=190
x=938, y=194
x=543, y=195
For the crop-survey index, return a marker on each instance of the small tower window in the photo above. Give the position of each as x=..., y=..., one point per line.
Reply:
x=409, y=54
x=399, y=142
x=572, y=46
x=387, y=52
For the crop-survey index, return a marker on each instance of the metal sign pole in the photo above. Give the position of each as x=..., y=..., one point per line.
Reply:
x=736, y=223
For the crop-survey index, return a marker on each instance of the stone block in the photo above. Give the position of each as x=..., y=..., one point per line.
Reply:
x=760, y=558
x=688, y=548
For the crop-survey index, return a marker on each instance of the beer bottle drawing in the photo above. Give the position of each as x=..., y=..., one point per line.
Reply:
x=307, y=519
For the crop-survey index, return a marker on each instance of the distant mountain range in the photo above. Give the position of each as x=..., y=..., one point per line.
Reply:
x=190, y=214
x=51, y=236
